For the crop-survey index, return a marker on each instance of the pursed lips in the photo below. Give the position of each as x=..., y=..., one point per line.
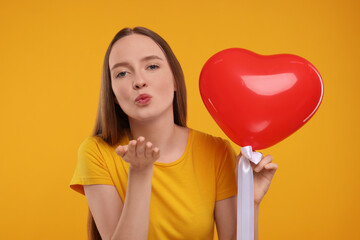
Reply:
x=143, y=98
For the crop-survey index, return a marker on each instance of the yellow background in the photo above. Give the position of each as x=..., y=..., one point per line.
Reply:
x=51, y=58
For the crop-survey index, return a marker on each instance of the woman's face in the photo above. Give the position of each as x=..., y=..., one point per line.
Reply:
x=141, y=78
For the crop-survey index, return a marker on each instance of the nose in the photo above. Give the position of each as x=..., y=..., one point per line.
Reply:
x=139, y=83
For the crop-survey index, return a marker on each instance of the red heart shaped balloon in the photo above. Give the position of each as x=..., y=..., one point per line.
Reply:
x=259, y=100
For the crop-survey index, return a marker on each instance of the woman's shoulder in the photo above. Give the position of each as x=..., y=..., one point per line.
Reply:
x=208, y=146
x=93, y=141
x=209, y=140
x=97, y=143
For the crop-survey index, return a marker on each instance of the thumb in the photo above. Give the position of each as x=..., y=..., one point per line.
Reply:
x=121, y=150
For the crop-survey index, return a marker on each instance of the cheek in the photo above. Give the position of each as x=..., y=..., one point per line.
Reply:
x=168, y=83
x=166, y=92
x=120, y=92
x=167, y=87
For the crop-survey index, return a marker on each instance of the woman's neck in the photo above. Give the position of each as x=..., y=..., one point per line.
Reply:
x=161, y=132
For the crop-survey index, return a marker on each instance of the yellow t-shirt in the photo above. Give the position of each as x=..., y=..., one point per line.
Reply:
x=183, y=192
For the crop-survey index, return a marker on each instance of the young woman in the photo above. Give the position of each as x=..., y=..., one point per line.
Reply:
x=144, y=173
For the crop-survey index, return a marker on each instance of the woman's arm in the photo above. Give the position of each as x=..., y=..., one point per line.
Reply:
x=130, y=220
x=225, y=217
x=105, y=206
x=116, y=220
x=256, y=221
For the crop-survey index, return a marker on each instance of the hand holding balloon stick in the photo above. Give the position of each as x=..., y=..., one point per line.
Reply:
x=258, y=101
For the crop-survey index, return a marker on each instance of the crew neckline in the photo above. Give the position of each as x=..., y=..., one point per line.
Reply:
x=182, y=157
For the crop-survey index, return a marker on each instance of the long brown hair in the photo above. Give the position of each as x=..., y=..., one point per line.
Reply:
x=111, y=121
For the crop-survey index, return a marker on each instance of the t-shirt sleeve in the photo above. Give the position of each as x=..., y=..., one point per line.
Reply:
x=226, y=180
x=91, y=167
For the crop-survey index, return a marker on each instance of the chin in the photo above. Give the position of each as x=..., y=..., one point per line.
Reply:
x=152, y=114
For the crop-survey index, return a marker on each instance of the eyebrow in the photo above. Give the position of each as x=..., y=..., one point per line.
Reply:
x=142, y=60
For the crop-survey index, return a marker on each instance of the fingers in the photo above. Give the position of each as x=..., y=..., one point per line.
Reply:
x=253, y=165
x=148, y=150
x=156, y=153
x=272, y=166
x=138, y=149
x=121, y=150
x=266, y=160
x=131, y=148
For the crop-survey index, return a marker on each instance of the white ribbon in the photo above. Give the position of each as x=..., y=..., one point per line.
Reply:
x=245, y=196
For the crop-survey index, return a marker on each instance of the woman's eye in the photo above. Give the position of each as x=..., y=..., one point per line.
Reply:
x=121, y=74
x=153, y=67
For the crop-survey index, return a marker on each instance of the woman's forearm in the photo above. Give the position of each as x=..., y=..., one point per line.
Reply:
x=256, y=221
x=134, y=220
